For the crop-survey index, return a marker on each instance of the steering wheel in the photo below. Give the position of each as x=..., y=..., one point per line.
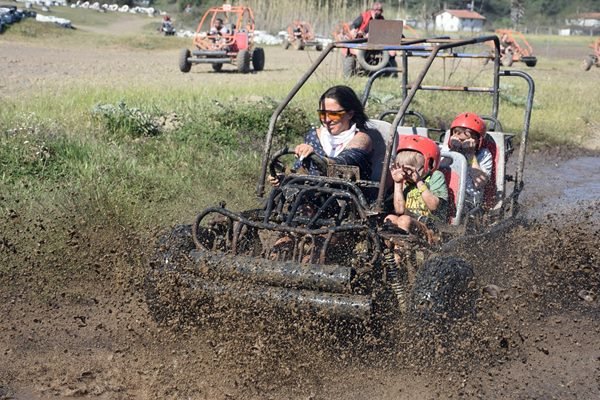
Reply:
x=276, y=165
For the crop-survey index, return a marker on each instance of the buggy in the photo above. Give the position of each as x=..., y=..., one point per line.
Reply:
x=362, y=61
x=341, y=262
x=166, y=27
x=300, y=35
x=232, y=44
x=514, y=48
x=594, y=58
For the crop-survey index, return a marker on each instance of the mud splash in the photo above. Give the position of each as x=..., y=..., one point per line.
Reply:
x=90, y=335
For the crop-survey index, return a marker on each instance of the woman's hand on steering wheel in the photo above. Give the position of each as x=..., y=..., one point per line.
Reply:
x=303, y=151
x=276, y=167
x=306, y=152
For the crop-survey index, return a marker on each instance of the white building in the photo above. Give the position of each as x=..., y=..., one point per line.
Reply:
x=588, y=20
x=459, y=20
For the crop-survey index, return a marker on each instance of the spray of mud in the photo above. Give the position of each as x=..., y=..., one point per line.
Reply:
x=87, y=331
x=529, y=272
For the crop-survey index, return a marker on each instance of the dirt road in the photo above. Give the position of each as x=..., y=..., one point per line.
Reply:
x=91, y=336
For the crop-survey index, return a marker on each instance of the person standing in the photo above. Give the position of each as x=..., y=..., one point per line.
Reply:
x=360, y=26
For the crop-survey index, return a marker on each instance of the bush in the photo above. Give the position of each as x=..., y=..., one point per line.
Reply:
x=121, y=120
x=245, y=124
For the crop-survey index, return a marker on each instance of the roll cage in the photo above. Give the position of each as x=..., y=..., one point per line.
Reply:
x=429, y=49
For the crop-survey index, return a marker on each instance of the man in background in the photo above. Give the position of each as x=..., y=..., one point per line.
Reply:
x=360, y=26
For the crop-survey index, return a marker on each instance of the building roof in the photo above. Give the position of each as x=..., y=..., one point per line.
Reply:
x=463, y=14
x=590, y=15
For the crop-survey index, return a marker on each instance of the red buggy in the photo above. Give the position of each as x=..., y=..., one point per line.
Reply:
x=232, y=43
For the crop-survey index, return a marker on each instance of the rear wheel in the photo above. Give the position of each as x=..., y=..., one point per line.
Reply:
x=349, y=66
x=243, y=61
x=258, y=59
x=587, y=63
x=443, y=290
x=319, y=47
x=217, y=67
x=184, y=64
x=285, y=44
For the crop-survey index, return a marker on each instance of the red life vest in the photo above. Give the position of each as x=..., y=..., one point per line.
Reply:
x=366, y=18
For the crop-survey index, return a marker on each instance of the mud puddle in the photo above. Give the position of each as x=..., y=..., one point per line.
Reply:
x=561, y=186
x=535, y=334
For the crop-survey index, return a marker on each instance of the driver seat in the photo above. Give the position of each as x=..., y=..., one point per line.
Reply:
x=380, y=132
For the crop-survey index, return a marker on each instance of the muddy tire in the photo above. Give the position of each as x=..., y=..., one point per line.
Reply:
x=349, y=66
x=587, y=63
x=160, y=283
x=443, y=290
x=258, y=59
x=184, y=64
x=243, y=61
x=217, y=67
x=372, y=61
x=285, y=44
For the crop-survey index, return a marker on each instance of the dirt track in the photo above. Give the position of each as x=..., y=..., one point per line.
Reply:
x=91, y=336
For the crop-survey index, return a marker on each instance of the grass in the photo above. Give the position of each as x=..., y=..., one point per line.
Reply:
x=124, y=164
x=55, y=36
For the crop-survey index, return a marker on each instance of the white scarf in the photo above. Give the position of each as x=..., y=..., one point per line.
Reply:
x=334, y=144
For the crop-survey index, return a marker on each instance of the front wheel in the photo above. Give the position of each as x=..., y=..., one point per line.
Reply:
x=443, y=290
x=172, y=252
x=217, y=67
x=243, y=61
x=184, y=64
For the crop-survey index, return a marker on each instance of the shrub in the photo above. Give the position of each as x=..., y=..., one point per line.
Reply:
x=121, y=120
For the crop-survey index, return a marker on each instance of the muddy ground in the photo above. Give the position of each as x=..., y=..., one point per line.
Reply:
x=535, y=335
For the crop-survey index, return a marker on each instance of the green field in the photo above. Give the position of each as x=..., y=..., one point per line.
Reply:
x=154, y=151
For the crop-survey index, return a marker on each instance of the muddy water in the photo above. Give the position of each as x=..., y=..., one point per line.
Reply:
x=560, y=186
x=535, y=335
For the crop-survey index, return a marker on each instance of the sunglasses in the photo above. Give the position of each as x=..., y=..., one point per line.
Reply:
x=333, y=116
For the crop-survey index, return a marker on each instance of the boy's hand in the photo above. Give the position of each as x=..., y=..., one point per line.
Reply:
x=411, y=174
x=398, y=174
x=466, y=146
x=469, y=145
